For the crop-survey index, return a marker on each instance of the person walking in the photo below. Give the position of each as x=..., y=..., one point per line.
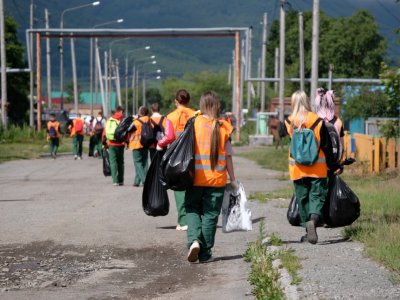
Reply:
x=99, y=123
x=160, y=122
x=53, y=135
x=115, y=148
x=213, y=155
x=140, y=154
x=178, y=118
x=310, y=181
x=77, y=129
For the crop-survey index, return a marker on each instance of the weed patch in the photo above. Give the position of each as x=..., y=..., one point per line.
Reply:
x=269, y=157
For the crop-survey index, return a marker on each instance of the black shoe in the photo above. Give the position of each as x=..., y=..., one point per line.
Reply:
x=304, y=238
x=312, y=236
x=136, y=185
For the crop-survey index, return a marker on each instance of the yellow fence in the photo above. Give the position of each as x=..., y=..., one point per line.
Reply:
x=377, y=152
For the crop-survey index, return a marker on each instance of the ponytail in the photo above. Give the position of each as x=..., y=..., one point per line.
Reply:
x=215, y=140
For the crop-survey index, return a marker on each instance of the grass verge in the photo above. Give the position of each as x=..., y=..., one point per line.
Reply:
x=26, y=143
x=269, y=157
x=263, y=277
x=379, y=224
x=263, y=197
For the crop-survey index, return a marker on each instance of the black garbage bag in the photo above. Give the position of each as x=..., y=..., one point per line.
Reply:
x=106, y=163
x=155, y=198
x=178, y=163
x=121, y=132
x=92, y=144
x=293, y=215
x=342, y=206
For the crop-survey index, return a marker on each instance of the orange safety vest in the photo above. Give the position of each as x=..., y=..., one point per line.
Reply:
x=204, y=175
x=179, y=117
x=73, y=133
x=319, y=169
x=134, y=137
x=56, y=125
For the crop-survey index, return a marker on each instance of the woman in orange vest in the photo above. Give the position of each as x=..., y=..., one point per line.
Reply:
x=160, y=121
x=178, y=119
x=310, y=181
x=203, y=201
x=77, y=130
x=53, y=135
x=140, y=154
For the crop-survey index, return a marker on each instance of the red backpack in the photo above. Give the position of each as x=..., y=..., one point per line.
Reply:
x=78, y=126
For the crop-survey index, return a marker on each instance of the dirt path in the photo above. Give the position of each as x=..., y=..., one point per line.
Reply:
x=66, y=233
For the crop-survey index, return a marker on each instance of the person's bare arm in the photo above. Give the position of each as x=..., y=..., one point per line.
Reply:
x=229, y=168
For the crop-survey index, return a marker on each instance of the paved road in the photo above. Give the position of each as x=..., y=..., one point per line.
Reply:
x=67, y=233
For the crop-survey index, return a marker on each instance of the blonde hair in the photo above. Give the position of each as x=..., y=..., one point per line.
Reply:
x=210, y=106
x=300, y=107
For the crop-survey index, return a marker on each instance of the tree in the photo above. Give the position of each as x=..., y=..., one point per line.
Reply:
x=352, y=44
x=17, y=83
x=69, y=97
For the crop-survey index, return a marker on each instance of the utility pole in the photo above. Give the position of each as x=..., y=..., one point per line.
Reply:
x=3, y=72
x=126, y=86
x=91, y=76
x=233, y=83
x=133, y=90
x=99, y=76
x=31, y=73
x=61, y=50
x=301, y=50
x=96, y=75
x=48, y=60
x=259, y=76
x=282, y=62
x=106, y=79
x=144, y=90
x=38, y=82
x=137, y=90
x=249, y=84
x=276, y=73
x=242, y=69
x=230, y=74
x=263, y=58
x=237, y=85
x=315, y=52
x=74, y=77
x=330, y=77
x=117, y=82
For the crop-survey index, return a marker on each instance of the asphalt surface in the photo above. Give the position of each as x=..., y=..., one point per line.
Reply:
x=67, y=233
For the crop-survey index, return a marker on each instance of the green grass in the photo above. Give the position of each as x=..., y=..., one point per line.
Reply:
x=26, y=143
x=379, y=224
x=263, y=277
x=291, y=263
x=264, y=197
x=269, y=157
x=248, y=129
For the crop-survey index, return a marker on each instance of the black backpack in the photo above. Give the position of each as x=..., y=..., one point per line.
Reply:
x=52, y=132
x=158, y=129
x=98, y=128
x=147, y=136
x=336, y=144
x=121, y=132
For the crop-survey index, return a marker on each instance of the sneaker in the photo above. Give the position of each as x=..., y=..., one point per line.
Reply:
x=121, y=184
x=312, y=236
x=80, y=157
x=181, y=228
x=76, y=157
x=115, y=184
x=194, y=250
x=136, y=185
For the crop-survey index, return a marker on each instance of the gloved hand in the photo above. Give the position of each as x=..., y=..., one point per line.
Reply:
x=158, y=148
x=234, y=184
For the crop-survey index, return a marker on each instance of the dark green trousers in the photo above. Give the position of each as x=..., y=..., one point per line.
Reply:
x=54, y=144
x=77, y=142
x=180, y=207
x=99, y=144
x=203, y=206
x=140, y=157
x=310, y=194
x=116, y=154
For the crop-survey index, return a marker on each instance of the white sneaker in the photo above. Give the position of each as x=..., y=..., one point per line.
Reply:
x=194, y=250
x=76, y=157
x=80, y=157
x=181, y=228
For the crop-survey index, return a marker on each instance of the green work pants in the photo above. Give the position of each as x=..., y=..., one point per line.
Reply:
x=116, y=154
x=99, y=144
x=54, y=144
x=140, y=157
x=77, y=142
x=180, y=207
x=310, y=194
x=203, y=206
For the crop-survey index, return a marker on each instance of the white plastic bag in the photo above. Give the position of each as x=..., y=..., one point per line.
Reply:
x=236, y=215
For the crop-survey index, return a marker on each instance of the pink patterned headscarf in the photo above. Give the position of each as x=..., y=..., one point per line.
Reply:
x=325, y=104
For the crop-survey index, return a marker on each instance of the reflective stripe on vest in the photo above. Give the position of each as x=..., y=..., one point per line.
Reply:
x=207, y=157
x=208, y=167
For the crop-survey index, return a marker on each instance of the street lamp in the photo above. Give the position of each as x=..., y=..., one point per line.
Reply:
x=144, y=83
x=60, y=46
x=91, y=63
